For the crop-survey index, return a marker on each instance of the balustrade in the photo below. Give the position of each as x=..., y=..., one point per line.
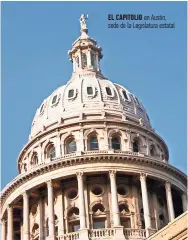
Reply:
x=96, y=233
x=69, y=236
x=130, y=232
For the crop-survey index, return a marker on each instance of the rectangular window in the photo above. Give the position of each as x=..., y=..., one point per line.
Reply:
x=71, y=93
x=98, y=223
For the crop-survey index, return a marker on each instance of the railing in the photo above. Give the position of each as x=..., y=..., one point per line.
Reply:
x=130, y=232
x=152, y=231
x=97, y=233
x=69, y=236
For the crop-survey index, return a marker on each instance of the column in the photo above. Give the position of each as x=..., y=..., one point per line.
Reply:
x=89, y=58
x=184, y=201
x=155, y=206
x=3, y=229
x=145, y=201
x=61, y=227
x=81, y=200
x=115, y=207
x=51, y=219
x=169, y=201
x=10, y=222
x=26, y=216
x=41, y=218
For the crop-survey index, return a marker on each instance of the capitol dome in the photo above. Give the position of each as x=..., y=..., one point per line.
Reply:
x=88, y=93
x=93, y=167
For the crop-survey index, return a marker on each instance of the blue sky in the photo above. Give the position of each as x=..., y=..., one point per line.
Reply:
x=151, y=63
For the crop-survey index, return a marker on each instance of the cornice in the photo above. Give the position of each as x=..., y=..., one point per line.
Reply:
x=87, y=158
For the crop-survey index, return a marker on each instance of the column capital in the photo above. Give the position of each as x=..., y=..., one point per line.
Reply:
x=143, y=176
x=49, y=183
x=25, y=194
x=10, y=208
x=3, y=222
x=168, y=186
x=112, y=173
x=79, y=175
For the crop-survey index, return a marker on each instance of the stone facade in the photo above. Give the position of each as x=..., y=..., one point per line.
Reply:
x=93, y=167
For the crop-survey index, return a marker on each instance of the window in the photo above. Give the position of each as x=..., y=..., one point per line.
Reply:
x=71, y=147
x=92, y=59
x=135, y=146
x=93, y=143
x=97, y=190
x=34, y=159
x=98, y=223
x=116, y=143
x=42, y=108
x=153, y=151
x=89, y=90
x=72, y=194
x=73, y=217
x=136, y=100
x=123, y=208
x=51, y=152
x=108, y=91
x=84, y=60
x=122, y=190
x=54, y=99
x=125, y=95
x=75, y=226
x=71, y=93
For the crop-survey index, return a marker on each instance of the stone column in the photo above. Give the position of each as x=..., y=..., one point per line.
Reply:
x=184, y=201
x=81, y=200
x=115, y=207
x=3, y=229
x=155, y=206
x=41, y=217
x=145, y=202
x=26, y=216
x=51, y=219
x=10, y=222
x=89, y=58
x=82, y=210
x=61, y=227
x=169, y=201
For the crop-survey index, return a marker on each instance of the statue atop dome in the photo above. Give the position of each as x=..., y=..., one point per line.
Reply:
x=83, y=23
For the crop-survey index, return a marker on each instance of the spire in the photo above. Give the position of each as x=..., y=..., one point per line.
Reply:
x=85, y=54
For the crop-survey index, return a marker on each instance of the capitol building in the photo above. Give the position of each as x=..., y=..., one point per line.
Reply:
x=93, y=167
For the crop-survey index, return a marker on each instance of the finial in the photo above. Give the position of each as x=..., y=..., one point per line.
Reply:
x=83, y=24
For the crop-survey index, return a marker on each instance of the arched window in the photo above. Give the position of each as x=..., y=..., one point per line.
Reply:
x=50, y=151
x=34, y=159
x=99, y=216
x=93, y=143
x=135, y=145
x=153, y=151
x=73, y=219
x=84, y=60
x=71, y=146
x=35, y=231
x=92, y=59
x=108, y=91
x=116, y=143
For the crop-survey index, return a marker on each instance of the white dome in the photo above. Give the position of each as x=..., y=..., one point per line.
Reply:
x=88, y=94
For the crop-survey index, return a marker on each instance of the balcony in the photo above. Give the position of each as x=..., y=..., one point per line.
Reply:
x=108, y=234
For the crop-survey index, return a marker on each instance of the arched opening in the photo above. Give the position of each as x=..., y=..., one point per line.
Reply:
x=153, y=150
x=70, y=145
x=116, y=143
x=73, y=219
x=124, y=215
x=50, y=151
x=99, y=216
x=35, y=231
x=136, y=145
x=84, y=60
x=34, y=159
x=93, y=142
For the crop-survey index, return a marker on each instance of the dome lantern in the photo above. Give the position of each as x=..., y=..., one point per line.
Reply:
x=85, y=54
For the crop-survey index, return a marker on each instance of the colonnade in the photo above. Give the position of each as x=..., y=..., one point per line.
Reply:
x=82, y=208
